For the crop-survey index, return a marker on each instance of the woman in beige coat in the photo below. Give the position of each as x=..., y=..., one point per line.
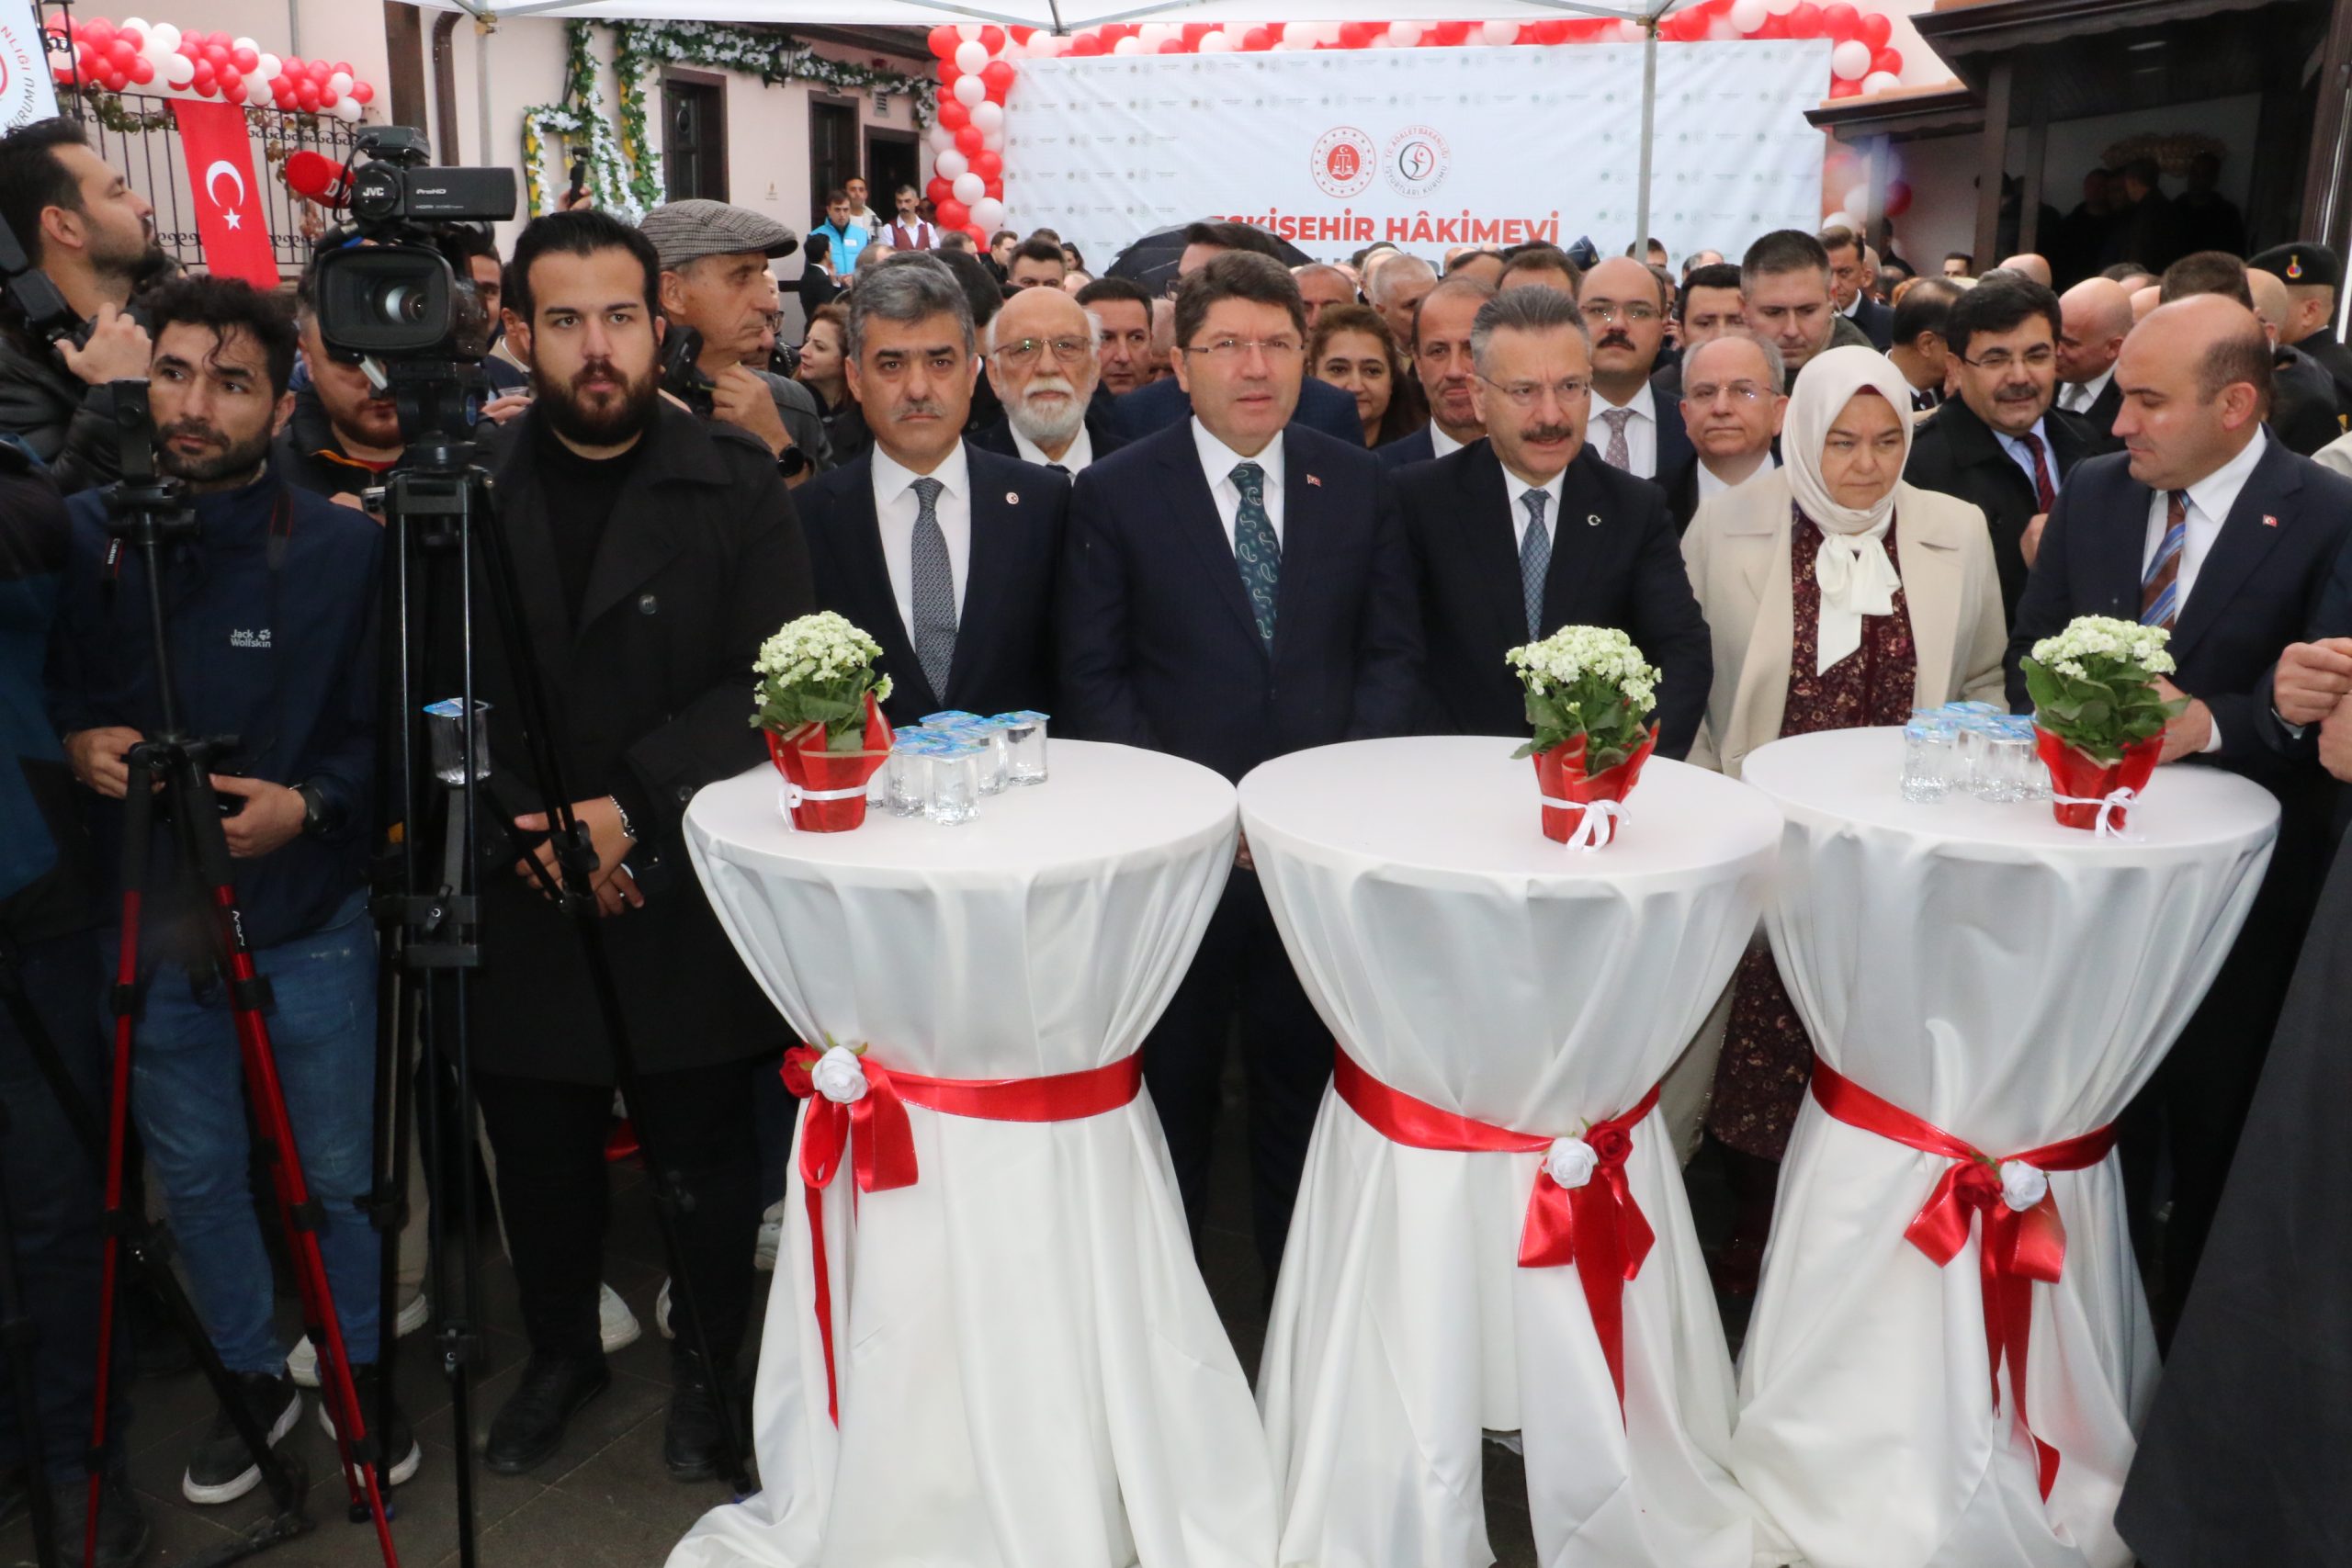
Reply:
x=1837, y=597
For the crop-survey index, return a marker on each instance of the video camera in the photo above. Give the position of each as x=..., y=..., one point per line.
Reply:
x=389, y=293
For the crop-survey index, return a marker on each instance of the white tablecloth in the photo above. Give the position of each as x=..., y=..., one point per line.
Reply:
x=1464, y=958
x=2013, y=982
x=1031, y=1372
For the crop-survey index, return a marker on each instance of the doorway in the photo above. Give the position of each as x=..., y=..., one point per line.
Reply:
x=892, y=159
x=693, y=137
x=833, y=151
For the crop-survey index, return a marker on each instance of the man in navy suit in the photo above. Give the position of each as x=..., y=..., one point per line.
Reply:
x=2207, y=524
x=1851, y=273
x=1529, y=531
x=1045, y=364
x=1633, y=428
x=1441, y=354
x=1239, y=588
x=943, y=554
x=1160, y=404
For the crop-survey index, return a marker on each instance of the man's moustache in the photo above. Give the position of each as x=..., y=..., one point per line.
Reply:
x=1615, y=340
x=1549, y=433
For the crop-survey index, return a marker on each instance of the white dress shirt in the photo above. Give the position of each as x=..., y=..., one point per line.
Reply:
x=1081, y=453
x=1440, y=443
x=1708, y=485
x=2210, y=500
x=1217, y=462
x=2077, y=399
x=896, y=506
x=2022, y=454
x=1641, y=430
x=1517, y=488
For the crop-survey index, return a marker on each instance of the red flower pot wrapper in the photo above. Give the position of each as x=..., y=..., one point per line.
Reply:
x=1580, y=809
x=2091, y=795
x=825, y=791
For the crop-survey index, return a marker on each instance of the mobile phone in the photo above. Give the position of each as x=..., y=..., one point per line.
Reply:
x=579, y=178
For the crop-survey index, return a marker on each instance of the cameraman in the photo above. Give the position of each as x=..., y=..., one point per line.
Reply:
x=94, y=237
x=714, y=280
x=271, y=611
x=343, y=434
x=657, y=551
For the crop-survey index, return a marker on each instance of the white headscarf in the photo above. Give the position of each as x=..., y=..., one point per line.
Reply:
x=1852, y=568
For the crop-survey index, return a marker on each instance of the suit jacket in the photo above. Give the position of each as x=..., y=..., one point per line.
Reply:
x=1159, y=647
x=1418, y=448
x=1954, y=452
x=1613, y=564
x=998, y=437
x=1877, y=323
x=2302, y=402
x=1159, y=404
x=2099, y=418
x=2262, y=585
x=2333, y=358
x=1674, y=447
x=1681, y=488
x=1004, y=657
x=1737, y=551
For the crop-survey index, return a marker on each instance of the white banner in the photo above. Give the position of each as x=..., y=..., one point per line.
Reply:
x=26, y=93
x=1426, y=147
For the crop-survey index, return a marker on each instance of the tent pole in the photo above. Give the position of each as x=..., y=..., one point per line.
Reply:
x=1649, y=128
x=485, y=23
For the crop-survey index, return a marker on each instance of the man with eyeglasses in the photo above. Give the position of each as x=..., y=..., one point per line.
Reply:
x=1237, y=587
x=1732, y=407
x=1531, y=518
x=2001, y=445
x=1042, y=362
x=1624, y=307
x=946, y=553
x=1439, y=343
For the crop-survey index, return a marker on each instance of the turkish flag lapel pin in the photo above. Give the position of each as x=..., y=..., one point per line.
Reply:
x=1315, y=482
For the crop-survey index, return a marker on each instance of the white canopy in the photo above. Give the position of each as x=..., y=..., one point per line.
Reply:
x=1060, y=16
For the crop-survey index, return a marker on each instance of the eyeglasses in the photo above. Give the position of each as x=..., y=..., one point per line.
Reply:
x=2040, y=357
x=1704, y=392
x=1523, y=394
x=1604, y=311
x=1233, y=350
x=1023, y=352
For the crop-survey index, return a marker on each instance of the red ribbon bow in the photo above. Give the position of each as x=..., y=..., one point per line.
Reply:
x=874, y=1132
x=2017, y=1249
x=1596, y=1226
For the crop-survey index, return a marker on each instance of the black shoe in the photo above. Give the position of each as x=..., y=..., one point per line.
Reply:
x=222, y=1470
x=122, y=1527
x=397, y=1443
x=694, y=1445
x=529, y=1426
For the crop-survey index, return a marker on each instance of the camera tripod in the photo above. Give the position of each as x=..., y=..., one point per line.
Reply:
x=171, y=769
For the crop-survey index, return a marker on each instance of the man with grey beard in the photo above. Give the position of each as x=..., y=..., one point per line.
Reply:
x=1044, y=362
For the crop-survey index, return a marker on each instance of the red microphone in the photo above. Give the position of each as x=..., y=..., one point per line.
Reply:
x=319, y=177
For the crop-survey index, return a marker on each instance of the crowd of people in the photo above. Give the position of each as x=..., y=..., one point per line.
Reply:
x=1252, y=508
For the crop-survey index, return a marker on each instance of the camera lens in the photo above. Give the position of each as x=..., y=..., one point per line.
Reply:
x=401, y=303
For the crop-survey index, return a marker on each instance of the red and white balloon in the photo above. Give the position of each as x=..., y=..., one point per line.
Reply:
x=134, y=53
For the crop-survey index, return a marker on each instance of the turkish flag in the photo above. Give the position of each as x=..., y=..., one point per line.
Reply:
x=227, y=199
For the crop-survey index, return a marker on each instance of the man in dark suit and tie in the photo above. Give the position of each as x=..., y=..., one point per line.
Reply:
x=2208, y=525
x=1045, y=364
x=1441, y=354
x=1633, y=429
x=2000, y=445
x=944, y=555
x=1731, y=410
x=2095, y=317
x=1529, y=531
x=1239, y=588
x=1850, y=276
x=1159, y=404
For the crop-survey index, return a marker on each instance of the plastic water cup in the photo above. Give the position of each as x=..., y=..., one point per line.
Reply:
x=1930, y=757
x=444, y=741
x=955, y=795
x=1025, y=732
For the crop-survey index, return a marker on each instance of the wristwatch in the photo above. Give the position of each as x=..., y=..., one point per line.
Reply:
x=314, y=810
x=791, y=462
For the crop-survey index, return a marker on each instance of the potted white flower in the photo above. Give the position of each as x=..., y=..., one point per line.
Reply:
x=2098, y=716
x=819, y=704
x=1589, y=694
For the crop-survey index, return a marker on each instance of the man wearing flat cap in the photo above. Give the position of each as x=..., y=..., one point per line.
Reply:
x=2313, y=275
x=715, y=279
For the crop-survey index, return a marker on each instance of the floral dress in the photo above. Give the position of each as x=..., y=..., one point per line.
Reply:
x=1768, y=1056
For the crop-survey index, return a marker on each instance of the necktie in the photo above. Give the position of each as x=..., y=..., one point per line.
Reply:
x=1923, y=400
x=1619, y=455
x=934, y=595
x=2044, y=495
x=2160, y=589
x=1255, y=547
x=1059, y=469
x=2072, y=397
x=1534, y=560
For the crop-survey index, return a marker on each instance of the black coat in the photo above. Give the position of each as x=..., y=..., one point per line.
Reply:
x=1681, y=488
x=701, y=562
x=1159, y=647
x=1614, y=563
x=1877, y=323
x=2333, y=358
x=1004, y=655
x=1957, y=453
x=2302, y=402
x=1417, y=448
x=2099, y=418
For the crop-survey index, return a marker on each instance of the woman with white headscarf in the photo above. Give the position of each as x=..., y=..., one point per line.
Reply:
x=1837, y=597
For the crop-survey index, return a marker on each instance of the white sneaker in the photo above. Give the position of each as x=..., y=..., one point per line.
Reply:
x=770, y=1238
x=615, y=1325
x=662, y=1313
x=302, y=1361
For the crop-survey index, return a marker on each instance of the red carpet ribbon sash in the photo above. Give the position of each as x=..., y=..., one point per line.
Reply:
x=2023, y=1239
x=1581, y=1211
x=858, y=1107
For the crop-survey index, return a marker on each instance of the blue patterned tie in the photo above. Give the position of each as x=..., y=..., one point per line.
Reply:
x=1255, y=546
x=934, y=586
x=1534, y=560
x=2160, y=588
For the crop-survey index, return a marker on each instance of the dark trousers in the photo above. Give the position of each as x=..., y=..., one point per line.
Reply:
x=553, y=1192
x=1242, y=970
x=54, y=1197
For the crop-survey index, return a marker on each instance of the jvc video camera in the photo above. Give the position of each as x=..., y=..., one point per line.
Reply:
x=389, y=293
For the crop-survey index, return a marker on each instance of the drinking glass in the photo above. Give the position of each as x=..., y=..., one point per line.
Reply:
x=444, y=741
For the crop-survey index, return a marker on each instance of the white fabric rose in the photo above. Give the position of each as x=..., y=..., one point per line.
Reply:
x=839, y=1076
x=2021, y=1185
x=1570, y=1162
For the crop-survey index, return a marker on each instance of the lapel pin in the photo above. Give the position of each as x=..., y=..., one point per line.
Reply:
x=1012, y=498
x=1592, y=520
x=1315, y=482
x=2268, y=521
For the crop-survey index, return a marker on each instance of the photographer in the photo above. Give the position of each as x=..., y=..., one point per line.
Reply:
x=271, y=611
x=94, y=237
x=714, y=272
x=657, y=551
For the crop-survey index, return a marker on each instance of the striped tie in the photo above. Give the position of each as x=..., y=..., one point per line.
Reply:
x=2160, y=589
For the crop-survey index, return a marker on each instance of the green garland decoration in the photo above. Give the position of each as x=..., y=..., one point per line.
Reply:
x=622, y=172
